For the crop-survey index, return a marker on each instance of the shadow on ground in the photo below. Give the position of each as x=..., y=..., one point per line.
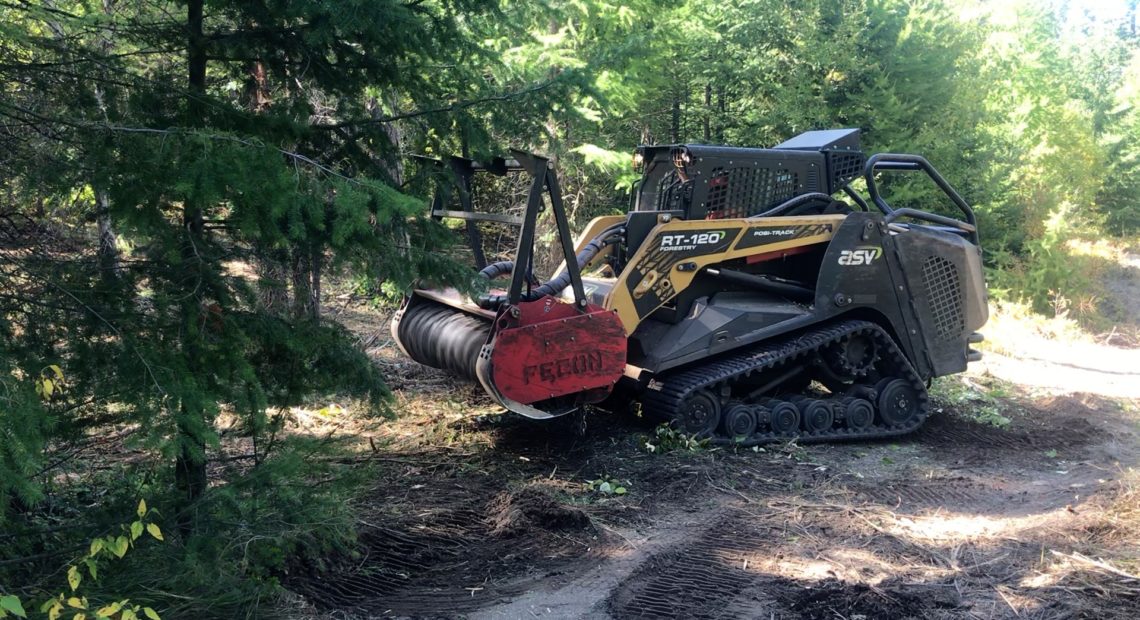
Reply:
x=492, y=517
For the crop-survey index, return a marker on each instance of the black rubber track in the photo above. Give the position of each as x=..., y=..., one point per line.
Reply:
x=711, y=375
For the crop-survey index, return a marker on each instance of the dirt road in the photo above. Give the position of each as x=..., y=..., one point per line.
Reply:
x=488, y=518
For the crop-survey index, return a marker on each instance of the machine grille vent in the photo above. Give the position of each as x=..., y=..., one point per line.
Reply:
x=943, y=293
x=745, y=191
x=668, y=196
x=844, y=167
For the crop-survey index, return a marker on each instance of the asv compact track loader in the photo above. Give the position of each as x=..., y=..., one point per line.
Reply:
x=737, y=298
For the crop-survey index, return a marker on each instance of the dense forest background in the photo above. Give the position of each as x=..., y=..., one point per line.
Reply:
x=178, y=180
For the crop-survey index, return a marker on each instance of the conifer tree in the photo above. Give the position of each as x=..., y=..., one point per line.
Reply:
x=206, y=133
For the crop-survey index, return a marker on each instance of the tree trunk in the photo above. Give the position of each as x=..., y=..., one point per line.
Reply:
x=190, y=464
x=195, y=59
x=108, y=252
x=53, y=25
x=720, y=119
x=108, y=248
x=316, y=262
x=393, y=163
x=272, y=268
x=708, y=112
x=306, y=269
x=256, y=90
x=675, y=121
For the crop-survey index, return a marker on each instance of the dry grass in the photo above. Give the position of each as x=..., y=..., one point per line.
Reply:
x=1108, y=250
x=1020, y=565
x=1011, y=324
x=1122, y=520
x=1095, y=300
x=1110, y=269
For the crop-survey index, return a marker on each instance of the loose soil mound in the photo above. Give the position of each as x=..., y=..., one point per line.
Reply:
x=522, y=512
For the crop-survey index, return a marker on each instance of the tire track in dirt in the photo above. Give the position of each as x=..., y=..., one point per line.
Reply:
x=937, y=493
x=698, y=581
x=717, y=535
x=727, y=573
x=454, y=552
x=739, y=566
x=584, y=594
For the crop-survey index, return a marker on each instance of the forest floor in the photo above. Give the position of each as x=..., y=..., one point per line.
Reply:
x=1020, y=498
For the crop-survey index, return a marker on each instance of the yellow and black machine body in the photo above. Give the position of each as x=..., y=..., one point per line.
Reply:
x=748, y=295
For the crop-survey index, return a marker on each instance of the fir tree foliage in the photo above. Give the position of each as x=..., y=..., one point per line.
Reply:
x=215, y=134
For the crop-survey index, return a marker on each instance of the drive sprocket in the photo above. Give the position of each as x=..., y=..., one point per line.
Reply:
x=853, y=355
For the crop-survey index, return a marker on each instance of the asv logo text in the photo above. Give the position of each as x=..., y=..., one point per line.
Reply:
x=862, y=255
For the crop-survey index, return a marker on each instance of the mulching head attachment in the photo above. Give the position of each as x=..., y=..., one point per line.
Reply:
x=534, y=352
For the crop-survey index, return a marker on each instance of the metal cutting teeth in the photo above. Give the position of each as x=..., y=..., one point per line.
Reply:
x=443, y=337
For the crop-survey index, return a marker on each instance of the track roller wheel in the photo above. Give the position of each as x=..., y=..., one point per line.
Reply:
x=699, y=414
x=887, y=398
x=858, y=413
x=783, y=417
x=815, y=415
x=739, y=420
x=898, y=402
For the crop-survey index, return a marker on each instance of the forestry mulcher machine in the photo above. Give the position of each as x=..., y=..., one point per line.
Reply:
x=736, y=299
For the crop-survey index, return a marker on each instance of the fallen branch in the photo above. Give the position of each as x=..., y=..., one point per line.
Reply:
x=1098, y=564
x=1007, y=601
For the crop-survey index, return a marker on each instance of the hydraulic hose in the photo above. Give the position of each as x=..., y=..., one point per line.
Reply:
x=497, y=270
x=559, y=282
x=792, y=203
x=791, y=291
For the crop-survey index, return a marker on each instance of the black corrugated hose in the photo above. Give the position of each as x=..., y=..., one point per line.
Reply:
x=558, y=283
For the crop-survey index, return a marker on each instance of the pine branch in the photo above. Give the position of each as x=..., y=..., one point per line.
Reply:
x=292, y=155
x=455, y=107
x=29, y=66
x=103, y=319
x=24, y=6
